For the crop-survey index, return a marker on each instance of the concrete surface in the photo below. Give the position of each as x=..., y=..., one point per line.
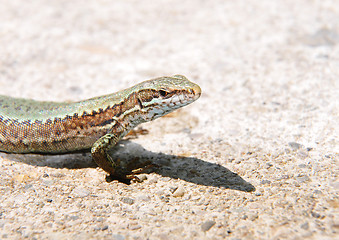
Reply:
x=256, y=157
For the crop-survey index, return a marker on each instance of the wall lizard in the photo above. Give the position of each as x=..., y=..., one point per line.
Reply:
x=29, y=126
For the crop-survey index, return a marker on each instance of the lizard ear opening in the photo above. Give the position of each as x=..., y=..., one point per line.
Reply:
x=140, y=103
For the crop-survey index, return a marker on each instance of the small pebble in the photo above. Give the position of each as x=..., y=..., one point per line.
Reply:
x=74, y=217
x=127, y=200
x=143, y=198
x=316, y=215
x=265, y=182
x=165, y=179
x=179, y=192
x=294, y=145
x=305, y=226
x=134, y=227
x=207, y=225
x=142, y=177
x=303, y=179
x=118, y=237
x=80, y=192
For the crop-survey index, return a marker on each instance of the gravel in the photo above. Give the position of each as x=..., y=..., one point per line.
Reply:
x=256, y=157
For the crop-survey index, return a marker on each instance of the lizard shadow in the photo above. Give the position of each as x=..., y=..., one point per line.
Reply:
x=189, y=169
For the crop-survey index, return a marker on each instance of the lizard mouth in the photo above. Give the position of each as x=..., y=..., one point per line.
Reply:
x=196, y=91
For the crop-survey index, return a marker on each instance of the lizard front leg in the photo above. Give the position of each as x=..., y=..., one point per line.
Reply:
x=100, y=152
x=113, y=167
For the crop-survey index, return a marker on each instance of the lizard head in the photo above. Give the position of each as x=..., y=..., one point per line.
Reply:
x=160, y=96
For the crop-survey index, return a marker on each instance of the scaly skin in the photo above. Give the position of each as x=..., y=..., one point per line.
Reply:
x=28, y=126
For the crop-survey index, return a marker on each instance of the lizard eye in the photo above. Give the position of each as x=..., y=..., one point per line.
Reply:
x=163, y=93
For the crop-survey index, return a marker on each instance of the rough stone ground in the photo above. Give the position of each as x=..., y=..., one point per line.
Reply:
x=256, y=157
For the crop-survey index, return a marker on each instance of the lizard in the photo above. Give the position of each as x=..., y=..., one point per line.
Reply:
x=98, y=124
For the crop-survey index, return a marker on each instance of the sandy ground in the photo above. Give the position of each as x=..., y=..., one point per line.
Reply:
x=256, y=157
